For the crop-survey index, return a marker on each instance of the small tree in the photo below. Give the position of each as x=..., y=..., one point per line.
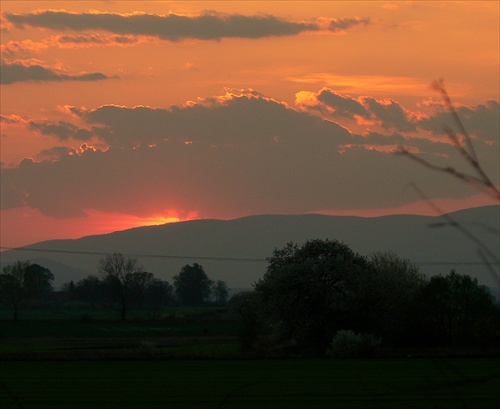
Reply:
x=69, y=290
x=118, y=275
x=220, y=292
x=21, y=283
x=192, y=285
x=347, y=344
x=454, y=310
x=89, y=289
x=158, y=294
x=247, y=306
x=139, y=283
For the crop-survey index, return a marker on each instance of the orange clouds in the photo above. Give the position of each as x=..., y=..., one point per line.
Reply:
x=72, y=41
x=132, y=109
x=236, y=154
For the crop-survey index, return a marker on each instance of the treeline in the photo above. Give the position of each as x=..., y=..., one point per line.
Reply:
x=319, y=298
x=121, y=284
x=323, y=298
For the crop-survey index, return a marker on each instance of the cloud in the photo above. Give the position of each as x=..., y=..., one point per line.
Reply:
x=391, y=114
x=54, y=154
x=391, y=6
x=13, y=72
x=175, y=27
x=96, y=39
x=387, y=112
x=26, y=46
x=12, y=120
x=62, y=130
x=215, y=122
x=227, y=156
x=342, y=24
x=4, y=24
x=342, y=105
x=70, y=41
x=482, y=121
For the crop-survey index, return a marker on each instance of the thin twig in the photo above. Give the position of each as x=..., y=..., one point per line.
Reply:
x=479, y=181
x=453, y=223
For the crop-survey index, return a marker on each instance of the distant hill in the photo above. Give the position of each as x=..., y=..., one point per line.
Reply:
x=235, y=250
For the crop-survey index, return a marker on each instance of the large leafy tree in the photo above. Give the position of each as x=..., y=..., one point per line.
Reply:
x=21, y=283
x=312, y=291
x=192, y=285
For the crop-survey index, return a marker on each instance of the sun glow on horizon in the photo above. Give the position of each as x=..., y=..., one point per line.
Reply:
x=168, y=216
x=158, y=220
x=17, y=221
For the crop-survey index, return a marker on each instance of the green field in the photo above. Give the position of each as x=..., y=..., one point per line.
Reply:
x=397, y=383
x=190, y=358
x=206, y=333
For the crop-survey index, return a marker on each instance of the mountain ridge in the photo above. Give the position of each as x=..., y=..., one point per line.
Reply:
x=235, y=250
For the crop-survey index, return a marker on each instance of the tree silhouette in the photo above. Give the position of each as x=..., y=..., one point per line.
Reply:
x=22, y=282
x=220, y=292
x=118, y=275
x=192, y=285
x=310, y=292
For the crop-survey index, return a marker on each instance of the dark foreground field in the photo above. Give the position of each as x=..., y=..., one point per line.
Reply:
x=192, y=359
x=377, y=383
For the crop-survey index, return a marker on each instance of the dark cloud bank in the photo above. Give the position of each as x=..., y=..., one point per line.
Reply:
x=224, y=158
x=173, y=27
x=18, y=72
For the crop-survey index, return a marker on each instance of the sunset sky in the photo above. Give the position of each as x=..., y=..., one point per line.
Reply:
x=117, y=114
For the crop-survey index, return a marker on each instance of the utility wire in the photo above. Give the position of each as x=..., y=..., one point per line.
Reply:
x=97, y=253
x=237, y=259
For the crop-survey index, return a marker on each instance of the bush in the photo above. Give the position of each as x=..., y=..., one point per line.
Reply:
x=348, y=344
x=148, y=349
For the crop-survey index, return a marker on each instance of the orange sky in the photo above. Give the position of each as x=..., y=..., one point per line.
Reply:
x=289, y=107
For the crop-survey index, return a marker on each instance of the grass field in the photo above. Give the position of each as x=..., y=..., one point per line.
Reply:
x=378, y=383
x=190, y=334
x=116, y=329
x=192, y=359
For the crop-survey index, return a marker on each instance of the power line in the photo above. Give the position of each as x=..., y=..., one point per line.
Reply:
x=460, y=263
x=97, y=253
x=235, y=259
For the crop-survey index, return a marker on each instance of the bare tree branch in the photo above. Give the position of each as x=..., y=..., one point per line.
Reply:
x=465, y=147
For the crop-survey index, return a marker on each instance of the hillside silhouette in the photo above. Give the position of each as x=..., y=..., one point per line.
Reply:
x=235, y=250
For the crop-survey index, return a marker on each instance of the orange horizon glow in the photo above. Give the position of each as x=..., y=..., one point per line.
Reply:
x=15, y=222
x=97, y=223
